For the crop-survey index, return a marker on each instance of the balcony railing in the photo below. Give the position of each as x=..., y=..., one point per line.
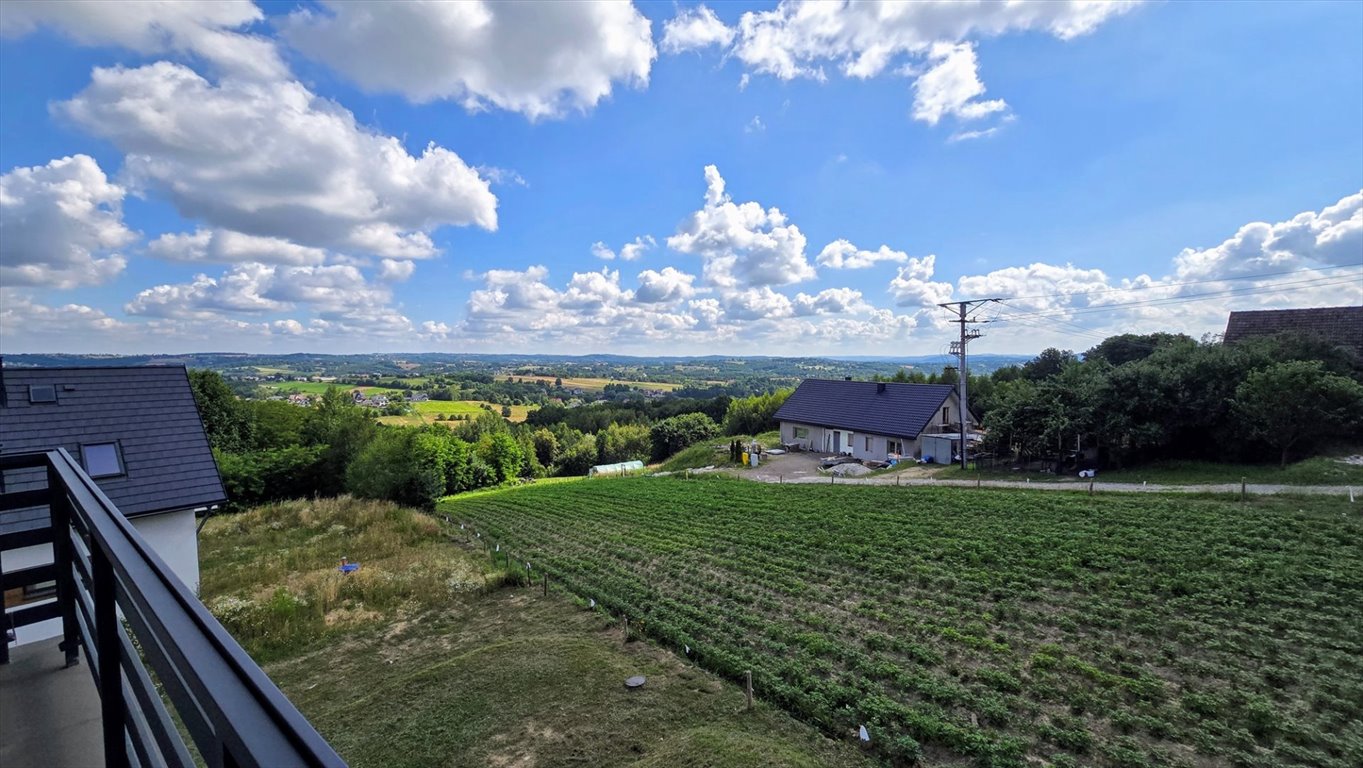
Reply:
x=135, y=619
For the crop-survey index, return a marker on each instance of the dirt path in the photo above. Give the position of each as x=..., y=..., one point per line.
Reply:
x=804, y=468
x=1254, y=488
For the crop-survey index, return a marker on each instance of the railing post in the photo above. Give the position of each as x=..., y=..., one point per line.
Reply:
x=4, y=617
x=59, y=507
x=113, y=709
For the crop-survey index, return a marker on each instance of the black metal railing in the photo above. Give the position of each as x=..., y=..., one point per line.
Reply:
x=135, y=619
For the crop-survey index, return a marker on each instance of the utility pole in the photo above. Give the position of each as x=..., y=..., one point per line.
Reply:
x=958, y=348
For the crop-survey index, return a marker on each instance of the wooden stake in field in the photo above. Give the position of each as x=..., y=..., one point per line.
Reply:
x=747, y=686
x=627, y=629
x=1242, y=489
x=546, y=585
x=1090, y=487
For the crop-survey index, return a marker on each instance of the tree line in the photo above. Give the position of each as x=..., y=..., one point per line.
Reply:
x=270, y=449
x=1137, y=398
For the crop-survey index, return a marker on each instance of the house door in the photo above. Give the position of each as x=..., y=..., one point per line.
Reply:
x=837, y=442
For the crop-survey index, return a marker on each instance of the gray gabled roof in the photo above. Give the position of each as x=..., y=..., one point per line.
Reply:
x=1342, y=325
x=895, y=410
x=149, y=411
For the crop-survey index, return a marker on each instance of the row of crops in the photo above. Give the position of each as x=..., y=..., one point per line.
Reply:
x=969, y=626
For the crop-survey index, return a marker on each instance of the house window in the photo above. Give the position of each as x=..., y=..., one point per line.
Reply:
x=101, y=459
x=868, y=445
x=946, y=415
x=894, y=447
x=42, y=393
x=800, y=433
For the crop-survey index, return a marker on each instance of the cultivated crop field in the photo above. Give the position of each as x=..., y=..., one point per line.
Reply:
x=984, y=627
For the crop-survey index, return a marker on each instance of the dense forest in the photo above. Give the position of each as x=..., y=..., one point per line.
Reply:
x=1128, y=400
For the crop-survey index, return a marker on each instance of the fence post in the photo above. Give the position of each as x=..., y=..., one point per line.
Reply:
x=626, y=629
x=59, y=505
x=747, y=686
x=1242, y=489
x=546, y=584
x=113, y=709
x=1090, y=487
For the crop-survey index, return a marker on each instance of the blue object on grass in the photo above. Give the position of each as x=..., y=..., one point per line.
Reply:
x=348, y=567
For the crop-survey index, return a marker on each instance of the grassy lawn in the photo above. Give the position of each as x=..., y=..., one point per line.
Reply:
x=713, y=452
x=471, y=408
x=426, y=657
x=426, y=411
x=993, y=627
x=1317, y=471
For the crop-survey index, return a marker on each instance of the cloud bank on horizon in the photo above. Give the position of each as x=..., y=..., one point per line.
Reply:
x=512, y=177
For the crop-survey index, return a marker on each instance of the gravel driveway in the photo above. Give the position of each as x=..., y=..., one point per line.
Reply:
x=804, y=468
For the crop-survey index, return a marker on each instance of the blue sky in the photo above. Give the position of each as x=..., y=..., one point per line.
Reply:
x=665, y=178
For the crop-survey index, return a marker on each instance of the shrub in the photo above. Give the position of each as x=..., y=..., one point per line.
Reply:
x=671, y=435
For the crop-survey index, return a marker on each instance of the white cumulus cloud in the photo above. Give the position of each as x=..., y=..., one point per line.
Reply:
x=220, y=246
x=841, y=254
x=952, y=87
x=930, y=41
x=668, y=285
x=274, y=160
x=742, y=245
x=60, y=225
x=1334, y=236
x=693, y=28
x=540, y=59
x=202, y=28
x=913, y=286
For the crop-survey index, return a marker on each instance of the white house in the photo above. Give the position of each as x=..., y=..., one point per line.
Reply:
x=137, y=432
x=873, y=420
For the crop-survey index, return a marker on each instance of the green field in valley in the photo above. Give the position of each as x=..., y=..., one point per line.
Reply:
x=471, y=408
x=318, y=387
x=984, y=627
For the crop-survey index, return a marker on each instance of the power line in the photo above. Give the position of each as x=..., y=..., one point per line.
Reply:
x=1055, y=317
x=963, y=309
x=1318, y=282
x=1154, y=286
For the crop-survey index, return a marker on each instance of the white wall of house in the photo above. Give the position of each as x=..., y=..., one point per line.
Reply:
x=171, y=535
x=807, y=436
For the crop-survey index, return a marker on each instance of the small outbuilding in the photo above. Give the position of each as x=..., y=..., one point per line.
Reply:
x=873, y=420
x=621, y=468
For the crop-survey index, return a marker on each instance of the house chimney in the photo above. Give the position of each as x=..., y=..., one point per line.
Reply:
x=880, y=388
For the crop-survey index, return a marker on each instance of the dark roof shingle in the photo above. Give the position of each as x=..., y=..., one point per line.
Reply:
x=1343, y=325
x=149, y=411
x=892, y=409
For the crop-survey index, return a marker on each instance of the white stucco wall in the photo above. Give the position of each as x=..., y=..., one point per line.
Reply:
x=170, y=535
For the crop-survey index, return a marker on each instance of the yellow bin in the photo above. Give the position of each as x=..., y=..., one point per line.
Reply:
x=745, y=458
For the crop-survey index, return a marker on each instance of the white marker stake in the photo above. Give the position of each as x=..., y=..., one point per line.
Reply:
x=688, y=650
x=863, y=735
x=591, y=602
x=1351, y=494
